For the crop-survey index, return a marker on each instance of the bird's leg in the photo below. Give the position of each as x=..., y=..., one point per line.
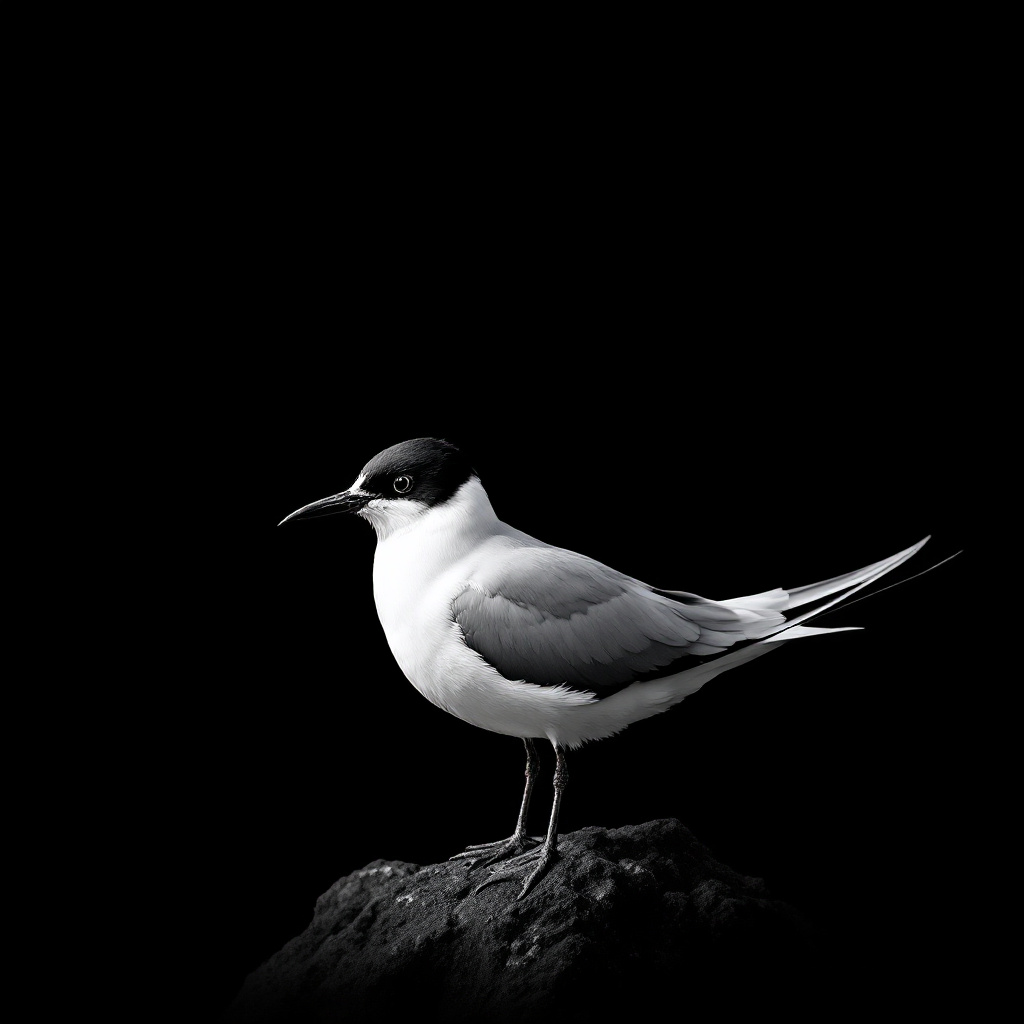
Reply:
x=547, y=854
x=519, y=841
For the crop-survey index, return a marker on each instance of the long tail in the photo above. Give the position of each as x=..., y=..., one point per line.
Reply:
x=822, y=596
x=816, y=598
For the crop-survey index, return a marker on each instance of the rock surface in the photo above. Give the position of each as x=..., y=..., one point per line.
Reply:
x=625, y=917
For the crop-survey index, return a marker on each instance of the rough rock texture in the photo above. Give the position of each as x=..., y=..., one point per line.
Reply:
x=626, y=917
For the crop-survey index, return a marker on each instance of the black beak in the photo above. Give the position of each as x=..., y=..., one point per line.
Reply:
x=347, y=501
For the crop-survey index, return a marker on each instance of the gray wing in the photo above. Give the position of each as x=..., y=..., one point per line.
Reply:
x=550, y=616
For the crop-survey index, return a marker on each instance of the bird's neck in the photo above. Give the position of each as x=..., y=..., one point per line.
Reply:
x=409, y=560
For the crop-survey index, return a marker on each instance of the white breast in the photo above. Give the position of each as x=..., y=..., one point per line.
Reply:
x=418, y=569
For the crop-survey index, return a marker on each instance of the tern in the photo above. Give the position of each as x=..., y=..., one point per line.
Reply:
x=526, y=639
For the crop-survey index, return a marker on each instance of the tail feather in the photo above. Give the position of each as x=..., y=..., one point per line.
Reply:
x=795, y=632
x=839, y=588
x=813, y=591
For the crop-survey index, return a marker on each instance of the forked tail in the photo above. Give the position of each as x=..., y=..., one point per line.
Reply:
x=815, y=599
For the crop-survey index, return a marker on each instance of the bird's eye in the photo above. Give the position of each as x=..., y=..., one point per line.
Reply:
x=403, y=484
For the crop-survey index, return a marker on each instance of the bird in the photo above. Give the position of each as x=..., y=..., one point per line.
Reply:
x=526, y=639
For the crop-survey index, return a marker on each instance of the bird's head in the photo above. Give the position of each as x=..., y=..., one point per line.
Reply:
x=398, y=485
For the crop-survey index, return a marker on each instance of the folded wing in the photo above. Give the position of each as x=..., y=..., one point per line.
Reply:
x=554, y=617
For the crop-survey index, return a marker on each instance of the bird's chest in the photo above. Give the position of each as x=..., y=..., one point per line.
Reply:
x=413, y=589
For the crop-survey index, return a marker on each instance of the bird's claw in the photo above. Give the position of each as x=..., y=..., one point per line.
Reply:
x=512, y=847
x=546, y=856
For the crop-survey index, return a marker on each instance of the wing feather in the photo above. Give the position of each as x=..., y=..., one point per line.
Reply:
x=554, y=617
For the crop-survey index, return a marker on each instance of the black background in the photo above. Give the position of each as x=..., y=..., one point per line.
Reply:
x=690, y=461
x=747, y=355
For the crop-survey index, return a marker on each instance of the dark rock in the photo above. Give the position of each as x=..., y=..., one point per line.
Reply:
x=624, y=917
